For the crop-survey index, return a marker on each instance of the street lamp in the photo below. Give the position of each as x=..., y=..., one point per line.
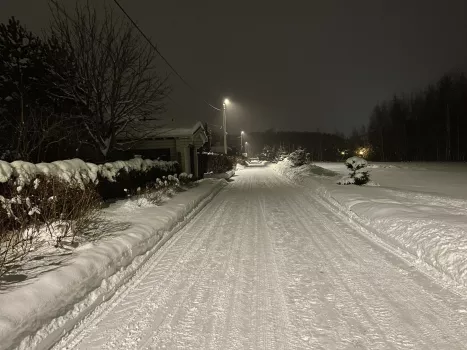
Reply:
x=246, y=149
x=241, y=141
x=226, y=102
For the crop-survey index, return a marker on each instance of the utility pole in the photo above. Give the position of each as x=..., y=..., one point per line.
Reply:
x=225, y=125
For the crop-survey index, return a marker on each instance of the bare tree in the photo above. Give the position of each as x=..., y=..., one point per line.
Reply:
x=36, y=133
x=114, y=73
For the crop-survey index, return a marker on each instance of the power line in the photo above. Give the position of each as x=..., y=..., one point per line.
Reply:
x=160, y=54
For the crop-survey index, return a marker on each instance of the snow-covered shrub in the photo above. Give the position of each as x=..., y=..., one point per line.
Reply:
x=358, y=174
x=47, y=210
x=155, y=192
x=299, y=157
x=54, y=202
x=185, y=179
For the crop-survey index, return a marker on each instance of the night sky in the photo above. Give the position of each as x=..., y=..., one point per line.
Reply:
x=292, y=65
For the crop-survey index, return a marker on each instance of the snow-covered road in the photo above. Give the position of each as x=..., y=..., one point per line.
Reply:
x=266, y=266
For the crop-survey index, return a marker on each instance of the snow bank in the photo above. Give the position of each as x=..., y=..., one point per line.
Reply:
x=430, y=228
x=226, y=175
x=76, y=170
x=36, y=313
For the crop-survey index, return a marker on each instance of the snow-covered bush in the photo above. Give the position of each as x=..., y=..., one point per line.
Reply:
x=185, y=179
x=358, y=174
x=299, y=157
x=53, y=202
x=46, y=210
x=155, y=192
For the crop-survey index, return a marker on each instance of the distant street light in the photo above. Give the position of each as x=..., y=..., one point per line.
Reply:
x=241, y=141
x=246, y=149
x=226, y=102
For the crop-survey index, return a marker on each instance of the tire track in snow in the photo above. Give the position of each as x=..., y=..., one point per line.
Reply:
x=91, y=321
x=147, y=312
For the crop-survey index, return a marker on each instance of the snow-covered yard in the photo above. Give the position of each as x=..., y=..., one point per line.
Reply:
x=54, y=289
x=419, y=209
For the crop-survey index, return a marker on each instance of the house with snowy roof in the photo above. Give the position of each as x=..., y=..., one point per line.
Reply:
x=167, y=143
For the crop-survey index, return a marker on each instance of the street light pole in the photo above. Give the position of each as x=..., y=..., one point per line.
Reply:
x=241, y=142
x=226, y=101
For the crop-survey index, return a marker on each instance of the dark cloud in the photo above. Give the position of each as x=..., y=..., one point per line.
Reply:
x=295, y=65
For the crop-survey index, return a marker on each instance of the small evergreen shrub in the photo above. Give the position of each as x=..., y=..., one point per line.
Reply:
x=358, y=174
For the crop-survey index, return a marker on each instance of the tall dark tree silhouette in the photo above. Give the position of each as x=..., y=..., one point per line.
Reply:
x=427, y=125
x=29, y=122
x=115, y=76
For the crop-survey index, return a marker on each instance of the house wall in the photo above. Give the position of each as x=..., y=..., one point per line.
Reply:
x=179, y=148
x=182, y=147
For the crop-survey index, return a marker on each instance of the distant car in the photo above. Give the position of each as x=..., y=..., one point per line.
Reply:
x=254, y=160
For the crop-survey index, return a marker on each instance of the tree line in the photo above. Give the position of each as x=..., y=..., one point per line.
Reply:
x=321, y=146
x=429, y=125
x=80, y=89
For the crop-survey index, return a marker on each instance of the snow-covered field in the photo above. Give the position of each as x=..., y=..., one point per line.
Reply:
x=269, y=265
x=61, y=288
x=417, y=208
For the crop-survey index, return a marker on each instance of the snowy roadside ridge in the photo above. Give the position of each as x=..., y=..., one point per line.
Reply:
x=36, y=315
x=226, y=175
x=442, y=263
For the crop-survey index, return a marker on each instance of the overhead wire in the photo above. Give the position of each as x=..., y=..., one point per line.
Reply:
x=161, y=55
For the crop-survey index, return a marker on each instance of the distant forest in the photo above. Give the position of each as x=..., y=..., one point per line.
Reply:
x=430, y=125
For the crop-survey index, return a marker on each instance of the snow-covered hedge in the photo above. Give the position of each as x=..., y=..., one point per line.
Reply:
x=59, y=200
x=112, y=179
x=77, y=170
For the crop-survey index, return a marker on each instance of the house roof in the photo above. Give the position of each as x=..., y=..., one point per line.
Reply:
x=178, y=132
x=153, y=131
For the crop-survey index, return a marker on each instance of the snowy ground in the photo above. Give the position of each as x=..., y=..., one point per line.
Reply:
x=269, y=265
x=61, y=286
x=443, y=179
x=417, y=208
